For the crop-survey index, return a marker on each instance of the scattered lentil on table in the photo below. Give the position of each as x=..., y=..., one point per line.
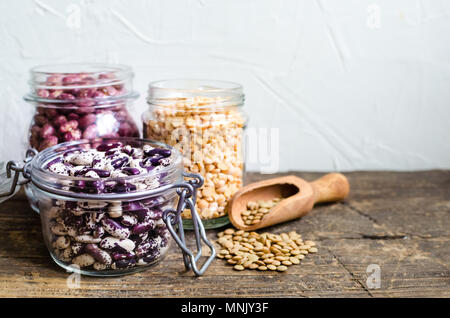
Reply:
x=266, y=251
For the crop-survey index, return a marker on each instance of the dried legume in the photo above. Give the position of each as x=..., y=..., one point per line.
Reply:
x=109, y=235
x=256, y=210
x=262, y=253
x=210, y=139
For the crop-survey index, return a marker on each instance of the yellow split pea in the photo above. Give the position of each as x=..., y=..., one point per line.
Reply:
x=210, y=139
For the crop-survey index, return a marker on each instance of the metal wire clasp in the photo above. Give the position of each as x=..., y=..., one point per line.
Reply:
x=187, y=193
x=14, y=166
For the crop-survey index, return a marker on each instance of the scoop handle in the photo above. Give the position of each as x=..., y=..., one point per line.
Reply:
x=331, y=187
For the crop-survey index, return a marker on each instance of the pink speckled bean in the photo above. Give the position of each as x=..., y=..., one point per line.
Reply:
x=47, y=131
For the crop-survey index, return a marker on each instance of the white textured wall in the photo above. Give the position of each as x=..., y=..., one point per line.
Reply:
x=350, y=84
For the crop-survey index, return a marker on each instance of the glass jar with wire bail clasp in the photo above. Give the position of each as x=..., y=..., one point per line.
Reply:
x=79, y=101
x=111, y=206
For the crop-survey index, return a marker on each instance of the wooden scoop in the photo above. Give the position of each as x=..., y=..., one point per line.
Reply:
x=299, y=197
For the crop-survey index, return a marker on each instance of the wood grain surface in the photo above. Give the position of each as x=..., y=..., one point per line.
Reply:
x=399, y=221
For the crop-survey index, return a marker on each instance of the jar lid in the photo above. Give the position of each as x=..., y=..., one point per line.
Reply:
x=76, y=186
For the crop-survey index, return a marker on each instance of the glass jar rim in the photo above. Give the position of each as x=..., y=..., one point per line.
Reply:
x=122, y=72
x=222, y=93
x=195, y=85
x=102, y=102
x=41, y=176
x=90, y=76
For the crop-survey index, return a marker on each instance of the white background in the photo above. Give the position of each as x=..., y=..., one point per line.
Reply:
x=351, y=85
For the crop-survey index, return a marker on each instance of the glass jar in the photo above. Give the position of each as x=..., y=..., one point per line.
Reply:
x=79, y=101
x=113, y=225
x=204, y=120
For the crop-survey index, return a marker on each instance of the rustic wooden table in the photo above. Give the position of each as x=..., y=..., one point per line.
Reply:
x=398, y=221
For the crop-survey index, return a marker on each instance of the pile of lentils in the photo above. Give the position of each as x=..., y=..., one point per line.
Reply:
x=266, y=251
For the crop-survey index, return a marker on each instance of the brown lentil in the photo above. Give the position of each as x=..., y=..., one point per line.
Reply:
x=266, y=251
x=256, y=210
x=281, y=268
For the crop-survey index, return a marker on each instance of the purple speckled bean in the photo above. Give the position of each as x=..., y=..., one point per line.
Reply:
x=121, y=188
x=164, y=153
x=152, y=256
x=128, y=151
x=143, y=164
x=119, y=162
x=146, y=246
x=77, y=248
x=99, y=254
x=111, y=243
x=98, y=232
x=152, y=202
x=89, y=221
x=154, y=161
x=101, y=173
x=142, y=215
x=119, y=256
x=139, y=238
x=155, y=214
x=143, y=227
x=52, y=162
x=132, y=206
x=128, y=220
x=130, y=171
x=85, y=238
x=145, y=215
x=124, y=263
x=106, y=147
x=115, y=229
x=111, y=153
